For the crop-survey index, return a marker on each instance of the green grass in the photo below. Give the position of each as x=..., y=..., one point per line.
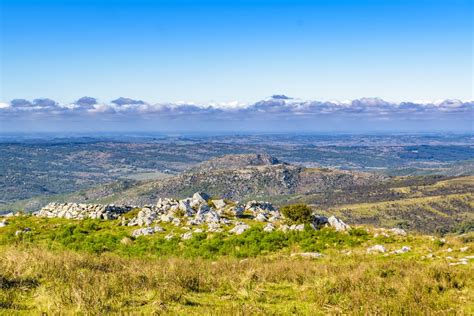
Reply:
x=65, y=266
x=97, y=236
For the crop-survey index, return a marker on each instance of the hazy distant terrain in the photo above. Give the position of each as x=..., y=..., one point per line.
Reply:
x=31, y=167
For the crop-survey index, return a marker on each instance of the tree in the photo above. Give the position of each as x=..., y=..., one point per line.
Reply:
x=297, y=213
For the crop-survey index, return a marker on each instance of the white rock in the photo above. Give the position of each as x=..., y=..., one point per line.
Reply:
x=260, y=218
x=338, y=224
x=3, y=223
x=404, y=249
x=464, y=249
x=299, y=227
x=269, y=228
x=147, y=231
x=313, y=255
x=376, y=248
x=398, y=231
x=214, y=228
x=169, y=236
x=200, y=197
x=239, y=229
x=219, y=204
x=187, y=235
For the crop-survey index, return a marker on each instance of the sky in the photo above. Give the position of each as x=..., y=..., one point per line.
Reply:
x=227, y=54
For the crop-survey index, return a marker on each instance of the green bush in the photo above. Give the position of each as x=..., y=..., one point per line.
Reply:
x=297, y=213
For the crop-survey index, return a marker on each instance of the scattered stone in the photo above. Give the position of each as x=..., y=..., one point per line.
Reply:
x=147, y=231
x=269, y=228
x=219, y=204
x=239, y=229
x=398, y=231
x=260, y=218
x=187, y=236
x=464, y=249
x=214, y=228
x=457, y=263
x=169, y=236
x=338, y=224
x=299, y=227
x=198, y=230
x=312, y=255
x=404, y=249
x=23, y=231
x=3, y=223
x=200, y=198
x=376, y=248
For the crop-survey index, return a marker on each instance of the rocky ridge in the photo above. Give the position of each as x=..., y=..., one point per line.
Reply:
x=83, y=210
x=194, y=211
x=240, y=177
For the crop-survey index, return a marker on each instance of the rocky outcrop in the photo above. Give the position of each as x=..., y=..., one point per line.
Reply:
x=198, y=210
x=332, y=221
x=82, y=211
x=238, y=177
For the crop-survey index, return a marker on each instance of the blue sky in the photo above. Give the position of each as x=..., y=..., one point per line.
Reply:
x=206, y=51
x=212, y=52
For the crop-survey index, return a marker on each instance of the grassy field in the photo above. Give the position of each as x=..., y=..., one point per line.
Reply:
x=425, y=214
x=64, y=266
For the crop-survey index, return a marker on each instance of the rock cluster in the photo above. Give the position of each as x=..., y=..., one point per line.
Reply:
x=82, y=211
x=199, y=210
x=332, y=221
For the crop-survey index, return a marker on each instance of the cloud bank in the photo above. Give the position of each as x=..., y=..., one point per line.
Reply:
x=278, y=108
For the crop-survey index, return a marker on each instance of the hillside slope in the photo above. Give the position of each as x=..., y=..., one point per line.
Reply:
x=244, y=177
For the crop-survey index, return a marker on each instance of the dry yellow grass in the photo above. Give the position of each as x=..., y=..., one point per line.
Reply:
x=34, y=280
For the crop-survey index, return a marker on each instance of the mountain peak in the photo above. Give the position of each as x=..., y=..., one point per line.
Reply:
x=239, y=161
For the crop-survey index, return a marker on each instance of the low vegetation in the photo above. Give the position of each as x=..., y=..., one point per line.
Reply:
x=93, y=266
x=297, y=213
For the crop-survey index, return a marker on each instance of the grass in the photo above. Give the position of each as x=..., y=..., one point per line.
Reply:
x=67, y=267
x=434, y=214
x=96, y=236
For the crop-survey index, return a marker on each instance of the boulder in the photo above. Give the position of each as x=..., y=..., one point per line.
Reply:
x=338, y=224
x=219, y=204
x=146, y=231
x=200, y=197
x=376, y=248
x=239, y=229
x=261, y=218
x=312, y=255
x=187, y=236
x=214, y=228
x=3, y=223
x=398, y=231
x=299, y=227
x=319, y=221
x=404, y=249
x=269, y=228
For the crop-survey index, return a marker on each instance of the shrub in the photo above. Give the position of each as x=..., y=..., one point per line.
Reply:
x=297, y=213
